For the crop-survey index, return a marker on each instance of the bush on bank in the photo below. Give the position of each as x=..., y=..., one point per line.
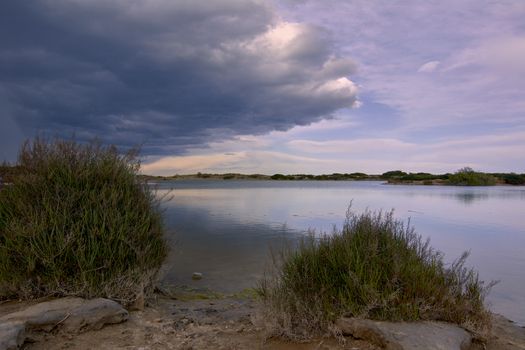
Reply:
x=375, y=268
x=78, y=221
x=469, y=177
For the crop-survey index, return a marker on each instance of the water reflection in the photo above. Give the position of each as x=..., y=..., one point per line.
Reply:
x=224, y=229
x=469, y=197
x=230, y=253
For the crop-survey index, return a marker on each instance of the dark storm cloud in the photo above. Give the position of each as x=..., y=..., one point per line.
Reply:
x=168, y=74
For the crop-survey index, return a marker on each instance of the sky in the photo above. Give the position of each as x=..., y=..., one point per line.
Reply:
x=269, y=86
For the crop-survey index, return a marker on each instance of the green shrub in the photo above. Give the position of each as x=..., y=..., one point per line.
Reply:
x=468, y=177
x=78, y=221
x=393, y=174
x=375, y=268
x=358, y=176
x=418, y=177
x=513, y=179
x=281, y=177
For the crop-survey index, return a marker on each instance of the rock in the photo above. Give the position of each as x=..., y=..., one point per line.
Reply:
x=44, y=316
x=70, y=314
x=12, y=335
x=73, y=314
x=196, y=276
x=367, y=330
x=94, y=314
x=407, y=335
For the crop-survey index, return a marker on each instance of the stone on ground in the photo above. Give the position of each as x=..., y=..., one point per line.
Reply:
x=407, y=335
x=12, y=335
x=70, y=315
x=94, y=314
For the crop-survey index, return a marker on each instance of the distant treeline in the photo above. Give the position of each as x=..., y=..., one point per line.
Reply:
x=463, y=177
x=334, y=176
x=237, y=176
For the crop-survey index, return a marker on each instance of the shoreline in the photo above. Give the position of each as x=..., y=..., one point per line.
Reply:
x=410, y=179
x=161, y=179
x=199, y=321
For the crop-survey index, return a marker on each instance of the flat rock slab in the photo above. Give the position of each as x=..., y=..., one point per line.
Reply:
x=12, y=335
x=71, y=315
x=407, y=335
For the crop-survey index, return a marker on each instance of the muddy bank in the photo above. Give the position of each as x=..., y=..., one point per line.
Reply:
x=166, y=323
x=210, y=321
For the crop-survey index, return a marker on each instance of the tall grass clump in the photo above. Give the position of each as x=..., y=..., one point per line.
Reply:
x=78, y=221
x=377, y=268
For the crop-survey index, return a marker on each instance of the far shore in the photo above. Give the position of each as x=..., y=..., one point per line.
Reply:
x=463, y=177
x=418, y=179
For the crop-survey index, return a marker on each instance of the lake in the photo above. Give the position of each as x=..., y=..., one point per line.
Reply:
x=225, y=229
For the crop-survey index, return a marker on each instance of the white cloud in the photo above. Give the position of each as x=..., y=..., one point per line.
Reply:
x=248, y=162
x=429, y=67
x=322, y=125
x=490, y=152
x=501, y=55
x=484, y=45
x=192, y=163
x=358, y=146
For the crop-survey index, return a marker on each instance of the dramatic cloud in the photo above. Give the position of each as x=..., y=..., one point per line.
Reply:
x=265, y=85
x=168, y=74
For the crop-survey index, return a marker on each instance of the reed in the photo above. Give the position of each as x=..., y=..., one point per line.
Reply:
x=78, y=221
x=376, y=267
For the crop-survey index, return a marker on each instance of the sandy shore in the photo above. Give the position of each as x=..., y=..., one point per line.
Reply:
x=166, y=323
x=214, y=322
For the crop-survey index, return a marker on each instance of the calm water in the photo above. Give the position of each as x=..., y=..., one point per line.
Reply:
x=224, y=229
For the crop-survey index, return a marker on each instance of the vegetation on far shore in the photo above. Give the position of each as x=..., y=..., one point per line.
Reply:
x=278, y=177
x=463, y=177
x=77, y=220
x=377, y=268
